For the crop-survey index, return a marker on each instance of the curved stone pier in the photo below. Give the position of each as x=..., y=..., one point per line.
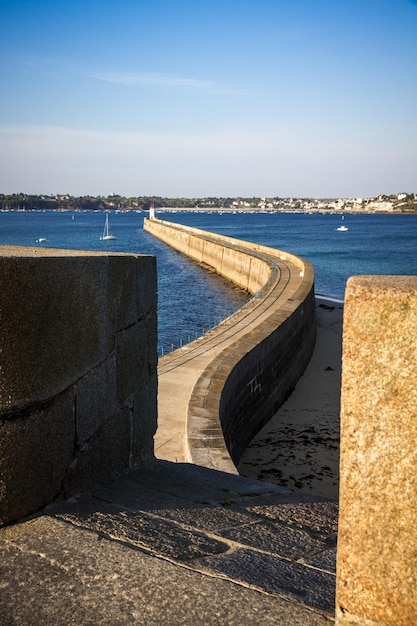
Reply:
x=217, y=392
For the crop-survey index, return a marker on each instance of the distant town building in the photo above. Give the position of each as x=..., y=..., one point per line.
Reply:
x=381, y=205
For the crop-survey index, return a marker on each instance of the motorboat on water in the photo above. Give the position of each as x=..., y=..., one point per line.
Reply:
x=342, y=228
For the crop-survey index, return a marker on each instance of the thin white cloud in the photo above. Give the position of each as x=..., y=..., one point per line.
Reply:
x=166, y=80
x=59, y=66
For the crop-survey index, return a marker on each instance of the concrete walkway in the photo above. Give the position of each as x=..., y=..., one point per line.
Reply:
x=173, y=544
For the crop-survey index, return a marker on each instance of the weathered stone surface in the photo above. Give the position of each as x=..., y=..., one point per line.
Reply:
x=154, y=534
x=200, y=519
x=96, y=400
x=325, y=559
x=56, y=573
x=275, y=575
x=144, y=423
x=35, y=452
x=105, y=454
x=53, y=324
x=205, y=516
x=121, y=292
x=377, y=550
x=152, y=334
x=73, y=408
x=146, y=287
x=276, y=539
x=321, y=516
x=199, y=484
x=132, y=360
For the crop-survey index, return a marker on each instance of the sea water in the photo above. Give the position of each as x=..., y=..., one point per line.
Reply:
x=373, y=244
x=192, y=300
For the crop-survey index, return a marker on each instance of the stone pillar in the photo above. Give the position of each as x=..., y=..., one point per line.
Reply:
x=377, y=541
x=78, y=361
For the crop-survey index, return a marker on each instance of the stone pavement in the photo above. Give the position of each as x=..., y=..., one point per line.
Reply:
x=173, y=544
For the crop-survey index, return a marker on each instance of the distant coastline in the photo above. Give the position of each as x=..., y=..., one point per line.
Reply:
x=382, y=204
x=216, y=210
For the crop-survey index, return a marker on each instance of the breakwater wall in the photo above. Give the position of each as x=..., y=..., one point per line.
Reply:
x=78, y=363
x=252, y=372
x=236, y=260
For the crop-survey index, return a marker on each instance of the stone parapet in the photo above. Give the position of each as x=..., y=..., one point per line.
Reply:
x=377, y=542
x=78, y=371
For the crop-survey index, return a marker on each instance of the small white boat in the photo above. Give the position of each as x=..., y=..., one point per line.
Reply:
x=41, y=240
x=342, y=228
x=106, y=233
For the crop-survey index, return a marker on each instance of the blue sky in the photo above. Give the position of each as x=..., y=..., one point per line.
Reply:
x=201, y=98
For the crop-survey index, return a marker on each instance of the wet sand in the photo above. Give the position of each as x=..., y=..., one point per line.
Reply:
x=299, y=447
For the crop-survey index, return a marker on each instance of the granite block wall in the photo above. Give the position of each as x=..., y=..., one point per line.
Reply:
x=78, y=382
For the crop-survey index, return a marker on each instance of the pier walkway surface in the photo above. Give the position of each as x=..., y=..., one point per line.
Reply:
x=173, y=544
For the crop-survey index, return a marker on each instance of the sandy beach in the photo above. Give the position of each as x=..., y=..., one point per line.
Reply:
x=299, y=447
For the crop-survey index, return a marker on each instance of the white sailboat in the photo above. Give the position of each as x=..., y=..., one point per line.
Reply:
x=106, y=233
